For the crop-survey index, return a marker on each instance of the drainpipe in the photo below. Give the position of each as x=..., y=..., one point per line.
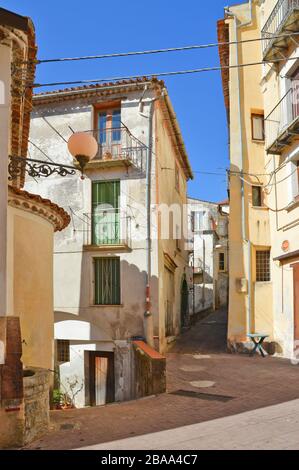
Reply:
x=203, y=300
x=241, y=143
x=149, y=324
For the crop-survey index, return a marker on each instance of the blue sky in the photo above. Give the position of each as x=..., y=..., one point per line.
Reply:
x=73, y=28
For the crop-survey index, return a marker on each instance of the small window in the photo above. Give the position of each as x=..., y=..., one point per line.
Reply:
x=256, y=196
x=108, y=123
x=178, y=237
x=177, y=177
x=197, y=220
x=257, y=125
x=263, y=266
x=63, y=350
x=221, y=262
x=107, y=281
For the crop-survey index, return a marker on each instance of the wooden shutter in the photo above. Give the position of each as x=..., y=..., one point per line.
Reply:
x=105, y=223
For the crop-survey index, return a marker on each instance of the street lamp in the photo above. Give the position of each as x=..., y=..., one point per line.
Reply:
x=83, y=148
x=81, y=145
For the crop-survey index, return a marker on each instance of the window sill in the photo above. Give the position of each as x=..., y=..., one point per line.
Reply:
x=293, y=205
x=258, y=141
x=107, y=306
x=263, y=208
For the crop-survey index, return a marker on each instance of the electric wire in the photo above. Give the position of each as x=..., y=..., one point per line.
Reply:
x=158, y=74
x=159, y=51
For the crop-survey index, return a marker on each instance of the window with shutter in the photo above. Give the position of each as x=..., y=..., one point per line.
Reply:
x=256, y=196
x=107, y=281
x=257, y=125
x=105, y=213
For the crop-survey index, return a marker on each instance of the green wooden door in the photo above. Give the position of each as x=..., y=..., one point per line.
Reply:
x=105, y=213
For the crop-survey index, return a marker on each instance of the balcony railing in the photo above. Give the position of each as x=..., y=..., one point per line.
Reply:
x=107, y=228
x=282, y=124
x=119, y=145
x=283, y=19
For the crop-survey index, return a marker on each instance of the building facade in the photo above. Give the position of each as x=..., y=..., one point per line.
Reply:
x=102, y=261
x=208, y=223
x=262, y=115
x=279, y=86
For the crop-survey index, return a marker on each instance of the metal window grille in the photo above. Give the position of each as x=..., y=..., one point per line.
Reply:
x=107, y=281
x=63, y=350
x=263, y=273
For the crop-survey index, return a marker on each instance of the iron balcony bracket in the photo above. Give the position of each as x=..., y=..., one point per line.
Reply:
x=18, y=166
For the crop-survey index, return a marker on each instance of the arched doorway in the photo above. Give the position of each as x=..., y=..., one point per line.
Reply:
x=184, y=303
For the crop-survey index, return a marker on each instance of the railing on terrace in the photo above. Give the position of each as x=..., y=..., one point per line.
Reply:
x=107, y=227
x=282, y=118
x=282, y=10
x=120, y=144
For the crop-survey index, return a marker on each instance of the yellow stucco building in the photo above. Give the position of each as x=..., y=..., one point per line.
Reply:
x=263, y=180
x=27, y=229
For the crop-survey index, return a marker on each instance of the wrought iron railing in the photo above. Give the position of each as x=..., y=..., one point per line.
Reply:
x=107, y=227
x=120, y=144
x=282, y=116
x=282, y=10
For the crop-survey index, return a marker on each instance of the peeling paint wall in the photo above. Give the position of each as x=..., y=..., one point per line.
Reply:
x=77, y=319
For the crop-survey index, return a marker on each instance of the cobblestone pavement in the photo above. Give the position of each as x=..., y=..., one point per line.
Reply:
x=204, y=383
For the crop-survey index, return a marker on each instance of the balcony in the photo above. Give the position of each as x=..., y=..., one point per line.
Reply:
x=118, y=147
x=107, y=230
x=282, y=124
x=284, y=19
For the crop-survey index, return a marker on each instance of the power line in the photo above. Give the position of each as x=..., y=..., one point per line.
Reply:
x=40, y=150
x=158, y=51
x=54, y=129
x=159, y=74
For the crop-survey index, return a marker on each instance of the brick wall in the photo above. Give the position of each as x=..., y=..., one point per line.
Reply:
x=223, y=36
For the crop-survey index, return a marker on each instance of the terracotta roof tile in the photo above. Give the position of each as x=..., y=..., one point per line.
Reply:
x=46, y=202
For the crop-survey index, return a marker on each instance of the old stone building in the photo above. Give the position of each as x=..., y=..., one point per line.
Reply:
x=208, y=223
x=105, y=257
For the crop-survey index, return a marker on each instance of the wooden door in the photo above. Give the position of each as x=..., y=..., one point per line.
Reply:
x=101, y=376
x=101, y=383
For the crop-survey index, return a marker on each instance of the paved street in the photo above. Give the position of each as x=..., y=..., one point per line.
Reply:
x=204, y=384
x=272, y=428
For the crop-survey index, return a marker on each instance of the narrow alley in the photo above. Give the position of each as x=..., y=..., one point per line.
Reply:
x=204, y=383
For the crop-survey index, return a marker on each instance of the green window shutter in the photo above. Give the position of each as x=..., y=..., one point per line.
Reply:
x=105, y=225
x=107, y=281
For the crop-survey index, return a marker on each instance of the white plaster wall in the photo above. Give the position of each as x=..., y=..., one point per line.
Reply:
x=76, y=318
x=203, y=297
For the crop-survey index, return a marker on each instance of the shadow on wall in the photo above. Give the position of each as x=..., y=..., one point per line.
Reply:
x=203, y=297
x=107, y=322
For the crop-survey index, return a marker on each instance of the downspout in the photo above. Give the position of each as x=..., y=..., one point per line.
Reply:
x=241, y=142
x=203, y=301
x=149, y=324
